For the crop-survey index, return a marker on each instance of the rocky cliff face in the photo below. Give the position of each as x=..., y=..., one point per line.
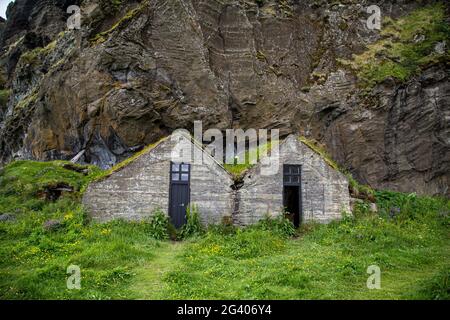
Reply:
x=137, y=70
x=397, y=139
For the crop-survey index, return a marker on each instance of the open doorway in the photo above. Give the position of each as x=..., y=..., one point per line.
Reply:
x=292, y=204
x=292, y=193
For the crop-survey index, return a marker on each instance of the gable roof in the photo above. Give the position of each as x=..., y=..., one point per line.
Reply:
x=119, y=166
x=311, y=144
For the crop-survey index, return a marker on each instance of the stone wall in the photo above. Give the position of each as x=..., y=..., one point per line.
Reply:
x=138, y=189
x=325, y=192
x=211, y=191
x=141, y=187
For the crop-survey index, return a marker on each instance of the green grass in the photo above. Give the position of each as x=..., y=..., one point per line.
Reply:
x=148, y=282
x=237, y=169
x=408, y=239
x=34, y=56
x=326, y=262
x=33, y=260
x=400, y=53
x=22, y=183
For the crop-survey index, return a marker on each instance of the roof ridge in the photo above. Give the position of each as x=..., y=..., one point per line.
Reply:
x=148, y=148
x=125, y=163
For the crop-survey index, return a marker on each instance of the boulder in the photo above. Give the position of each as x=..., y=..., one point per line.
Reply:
x=52, y=225
x=7, y=217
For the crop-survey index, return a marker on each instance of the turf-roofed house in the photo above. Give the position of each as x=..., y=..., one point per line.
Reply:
x=303, y=186
x=163, y=177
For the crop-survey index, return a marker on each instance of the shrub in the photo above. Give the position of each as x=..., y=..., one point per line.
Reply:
x=361, y=209
x=358, y=190
x=436, y=288
x=158, y=225
x=193, y=226
x=173, y=232
x=404, y=207
x=403, y=220
x=226, y=227
x=279, y=225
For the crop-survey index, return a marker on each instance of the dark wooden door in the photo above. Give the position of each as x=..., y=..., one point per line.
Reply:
x=179, y=196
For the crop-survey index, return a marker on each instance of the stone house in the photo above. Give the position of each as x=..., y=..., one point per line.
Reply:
x=153, y=181
x=303, y=184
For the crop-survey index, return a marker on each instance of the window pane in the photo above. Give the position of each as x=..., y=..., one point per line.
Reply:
x=175, y=167
x=294, y=179
x=175, y=177
x=184, y=177
x=185, y=167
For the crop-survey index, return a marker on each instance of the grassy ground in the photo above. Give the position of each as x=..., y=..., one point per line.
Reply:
x=328, y=262
x=408, y=239
x=149, y=280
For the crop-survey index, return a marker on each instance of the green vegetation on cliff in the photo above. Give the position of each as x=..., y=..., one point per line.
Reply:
x=128, y=17
x=406, y=45
x=4, y=97
x=35, y=56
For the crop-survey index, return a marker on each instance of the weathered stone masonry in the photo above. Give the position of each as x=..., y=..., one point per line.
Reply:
x=325, y=192
x=138, y=189
x=135, y=191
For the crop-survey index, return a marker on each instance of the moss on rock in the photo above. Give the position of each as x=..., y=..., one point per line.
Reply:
x=4, y=97
x=406, y=45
